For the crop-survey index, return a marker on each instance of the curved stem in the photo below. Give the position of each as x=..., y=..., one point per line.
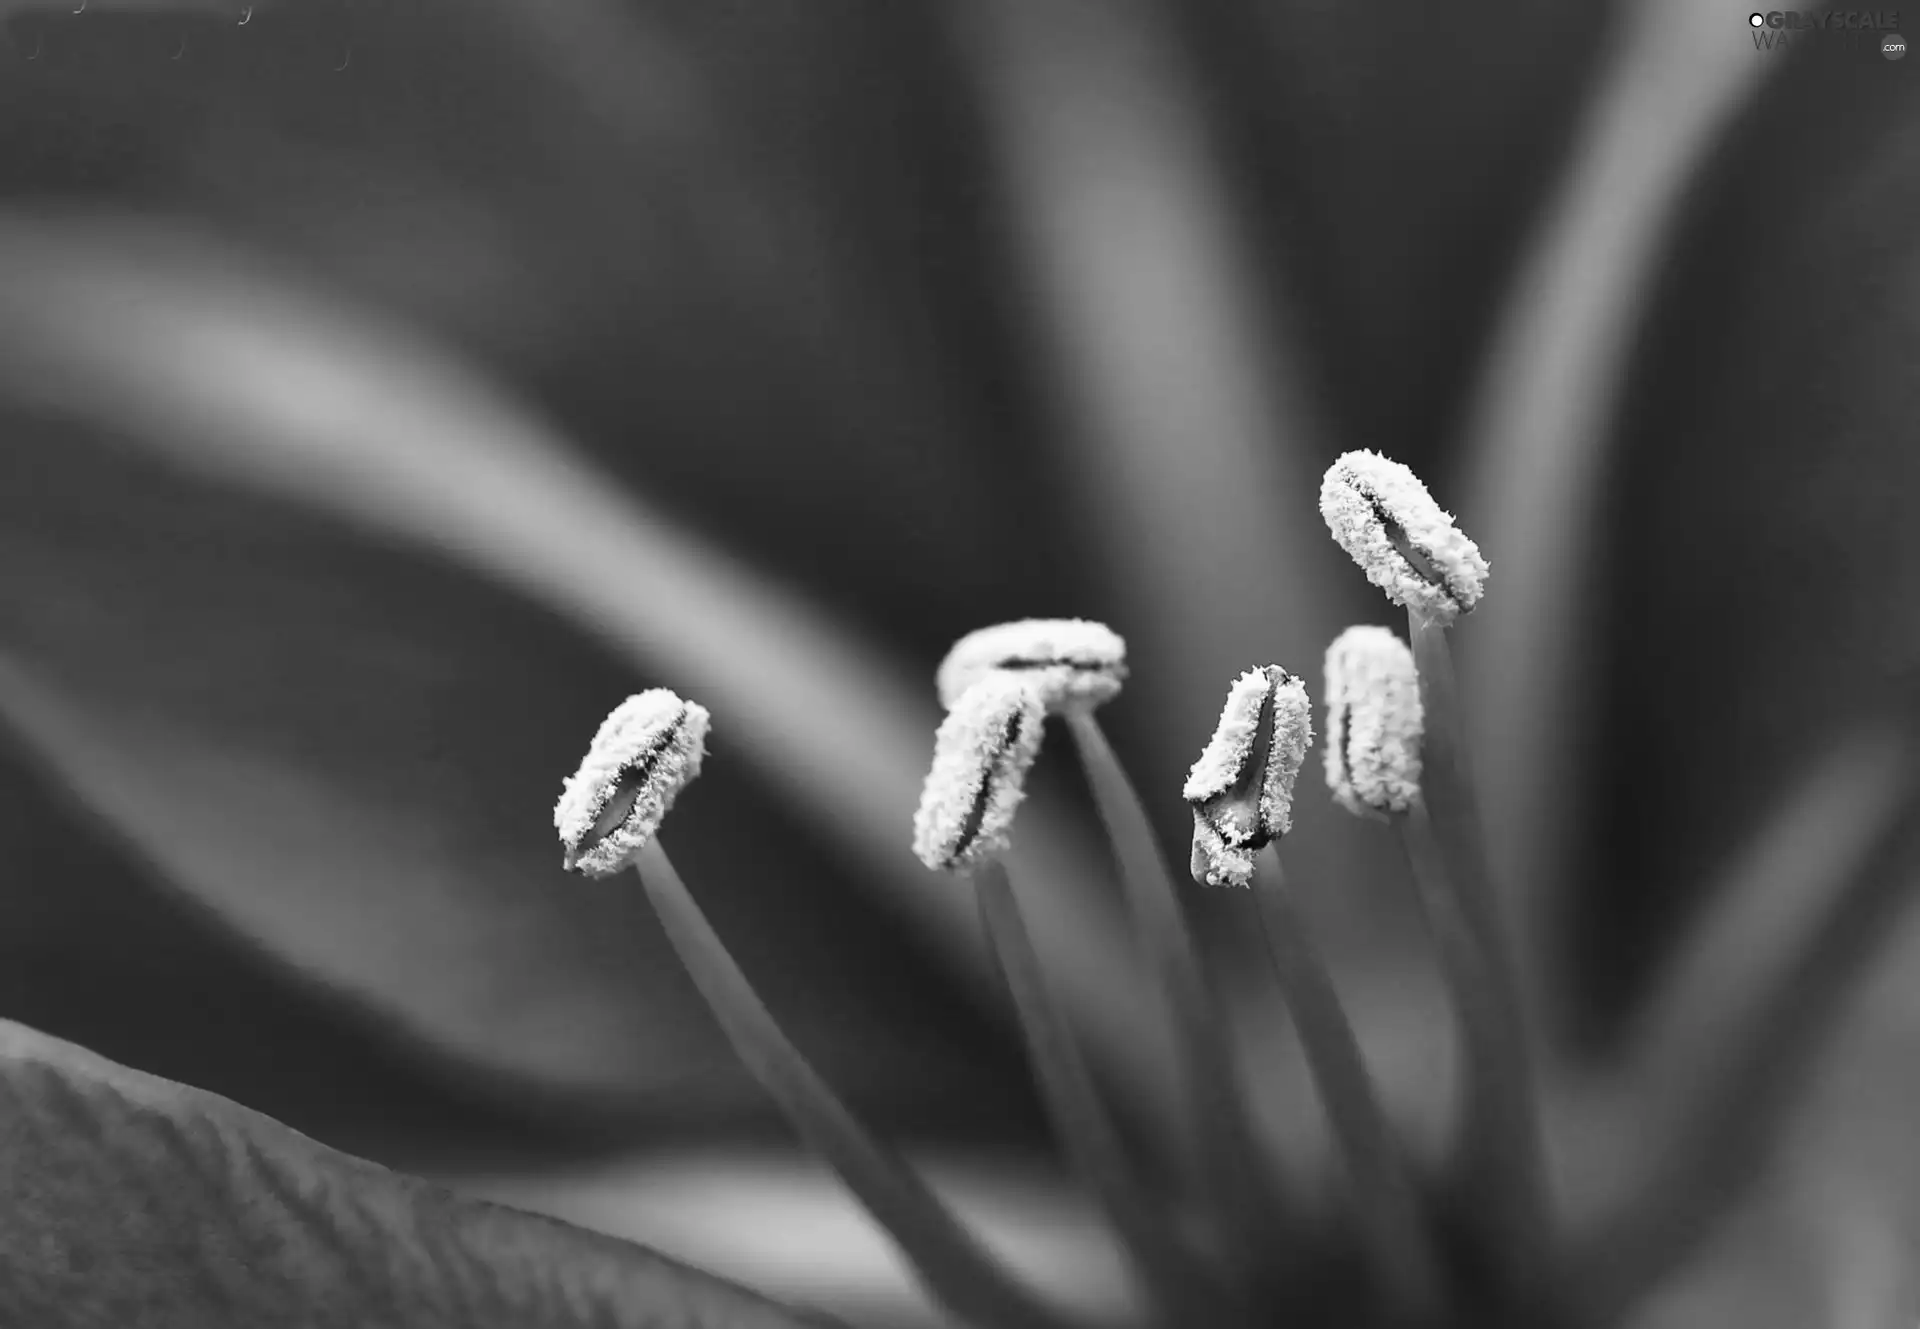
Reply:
x=1385, y=1196
x=1501, y=1162
x=949, y=1259
x=1187, y=1293
x=1233, y=1172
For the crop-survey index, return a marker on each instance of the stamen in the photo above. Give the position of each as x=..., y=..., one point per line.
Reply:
x=1230, y=1167
x=981, y=756
x=1075, y=664
x=1241, y=788
x=645, y=753
x=1383, y=516
x=1374, y=722
x=950, y=1261
x=983, y=797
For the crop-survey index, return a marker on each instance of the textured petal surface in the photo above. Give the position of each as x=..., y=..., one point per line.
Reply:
x=133, y=1200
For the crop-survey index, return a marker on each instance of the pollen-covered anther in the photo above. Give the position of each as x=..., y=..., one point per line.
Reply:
x=1374, y=722
x=647, y=751
x=1241, y=789
x=1073, y=663
x=1383, y=516
x=981, y=757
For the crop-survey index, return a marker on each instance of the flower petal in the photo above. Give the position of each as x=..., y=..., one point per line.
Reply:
x=788, y=1225
x=1540, y=441
x=131, y=1198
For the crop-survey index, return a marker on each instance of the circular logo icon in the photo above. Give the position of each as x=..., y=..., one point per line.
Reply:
x=1757, y=20
x=1893, y=46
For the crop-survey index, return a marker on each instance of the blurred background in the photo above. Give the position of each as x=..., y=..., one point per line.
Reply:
x=390, y=389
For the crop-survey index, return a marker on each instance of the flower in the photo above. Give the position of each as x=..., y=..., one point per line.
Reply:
x=1373, y=721
x=646, y=752
x=1383, y=516
x=981, y=757
x=306, y=764
x=1073, y=662
x=1241, y=788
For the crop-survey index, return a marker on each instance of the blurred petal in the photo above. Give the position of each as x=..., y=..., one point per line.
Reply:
x=1770, y=458
x=95, y=951
x=350, y=753
x=133, y=1199
x=1192, y=456
x=1803, y=862
x=1844, y=1192
x=787, y=1226
x=1391, y=182
x=1539, y=434
x=223, y=368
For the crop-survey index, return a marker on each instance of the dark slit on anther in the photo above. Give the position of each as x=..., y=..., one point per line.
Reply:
x=1354, y=750
x=1017, y=663
x=1249, y=790
x=629, y=784
x=977, y=811
x=1417, y=558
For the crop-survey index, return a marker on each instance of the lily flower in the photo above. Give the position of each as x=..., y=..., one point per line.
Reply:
x=348, y=471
